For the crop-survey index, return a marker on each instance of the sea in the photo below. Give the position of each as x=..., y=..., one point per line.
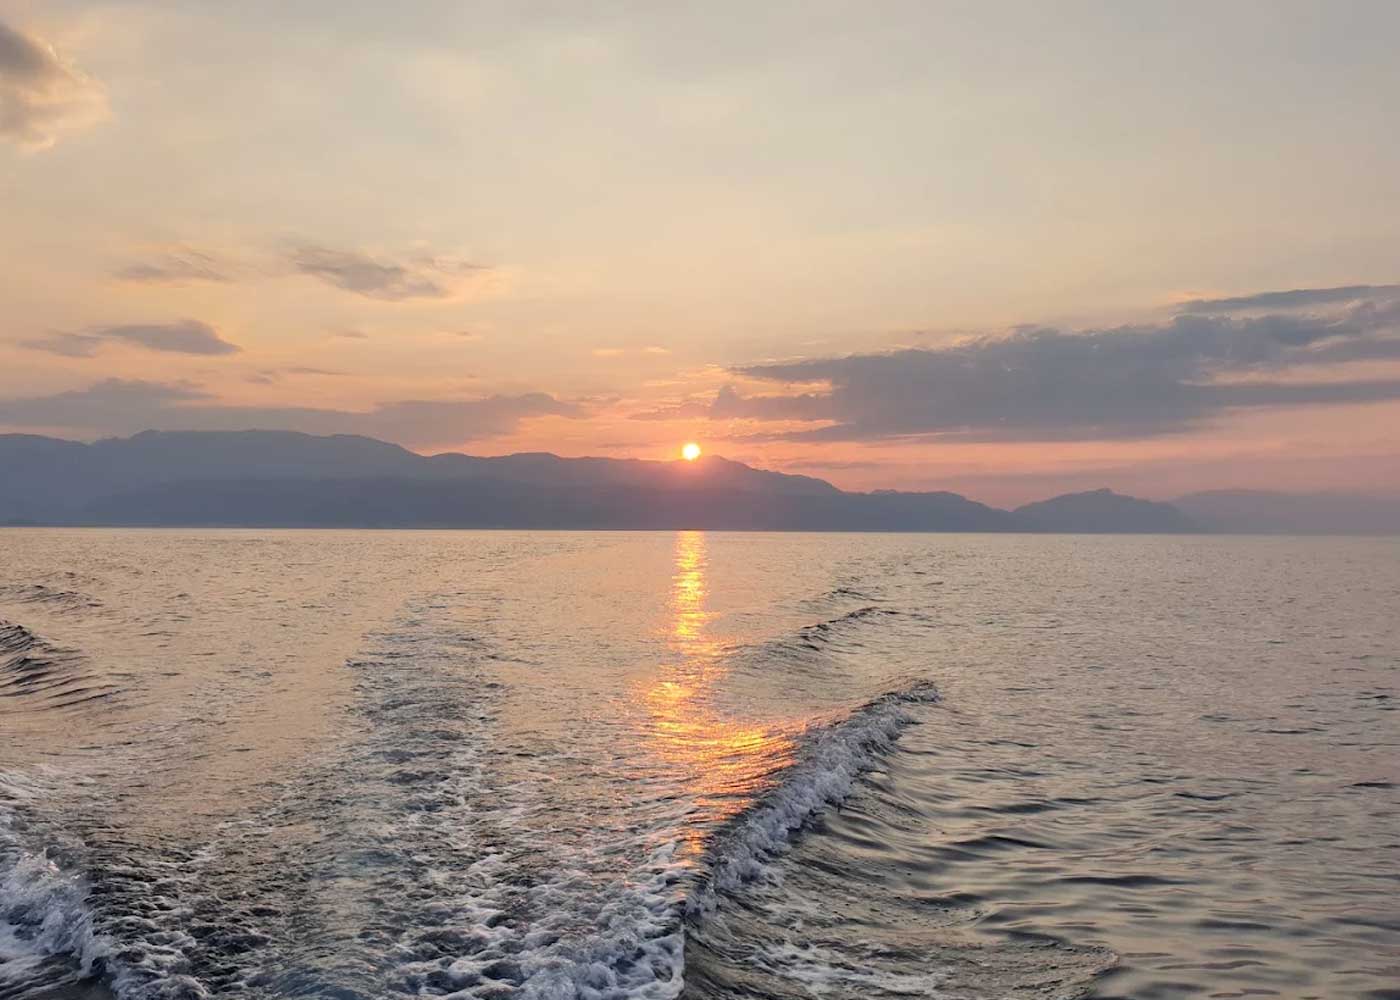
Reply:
x=387, y=764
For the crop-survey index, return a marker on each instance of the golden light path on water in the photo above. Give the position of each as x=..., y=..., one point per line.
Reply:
x=730, y=761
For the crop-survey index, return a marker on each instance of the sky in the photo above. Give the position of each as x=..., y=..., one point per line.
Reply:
x=1007, y=249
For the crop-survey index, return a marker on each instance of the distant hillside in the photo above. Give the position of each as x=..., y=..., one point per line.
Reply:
x=281, y=478
x=499, y=503
x=275, y=478
x=1256, y=511
x=1102, y=511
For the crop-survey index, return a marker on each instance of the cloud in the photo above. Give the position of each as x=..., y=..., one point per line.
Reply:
x=419, y=278
x=110, y=404
x=188, y=336
x=1293, y=299
x=42, y=95
x=1046, y=384
x=808, y=406
x=618, y=352
x=271, y=376
x=833, y=465
x=68, y=345
x=185, y=337
x=689, y=409
x=125, y=406
x=176, y=266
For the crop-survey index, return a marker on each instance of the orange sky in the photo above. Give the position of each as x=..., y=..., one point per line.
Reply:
x=605, y=233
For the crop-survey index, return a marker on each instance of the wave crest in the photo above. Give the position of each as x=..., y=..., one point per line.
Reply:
x=36, y=670
x=831, y=759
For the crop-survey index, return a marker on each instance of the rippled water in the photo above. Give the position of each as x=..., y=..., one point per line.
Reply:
x=360, y=764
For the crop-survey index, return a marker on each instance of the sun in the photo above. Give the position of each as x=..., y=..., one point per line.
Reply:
x=690, y=451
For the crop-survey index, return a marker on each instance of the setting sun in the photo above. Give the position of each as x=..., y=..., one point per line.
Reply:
x=690, y=452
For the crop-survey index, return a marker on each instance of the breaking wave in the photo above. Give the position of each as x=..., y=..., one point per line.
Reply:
x=828, y=764
x=46, y=932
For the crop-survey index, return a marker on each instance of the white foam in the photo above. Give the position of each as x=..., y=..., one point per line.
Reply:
x=832, y=759
x=42, y=908
x=535, y=917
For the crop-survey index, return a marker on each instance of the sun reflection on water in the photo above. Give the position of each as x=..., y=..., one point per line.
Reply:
x=726, y=761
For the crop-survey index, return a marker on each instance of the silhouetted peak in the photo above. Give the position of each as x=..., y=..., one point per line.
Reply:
x=1101, y=510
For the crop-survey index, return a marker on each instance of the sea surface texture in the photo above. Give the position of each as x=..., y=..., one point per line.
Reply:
x=555, y=765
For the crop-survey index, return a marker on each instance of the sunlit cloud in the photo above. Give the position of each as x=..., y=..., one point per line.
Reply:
x=42, y=95
x=652, y=352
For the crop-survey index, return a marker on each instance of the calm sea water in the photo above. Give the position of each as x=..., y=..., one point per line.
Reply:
x=369, y=765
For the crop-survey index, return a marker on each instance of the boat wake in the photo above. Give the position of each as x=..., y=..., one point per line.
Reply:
x=38, y=674
x=438, y=856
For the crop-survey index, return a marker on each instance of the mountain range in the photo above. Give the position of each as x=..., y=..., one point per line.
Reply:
x=285, y=479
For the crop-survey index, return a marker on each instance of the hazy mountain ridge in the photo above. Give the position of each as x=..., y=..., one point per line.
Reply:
x=1103, y=510
x=1266, y=512
x=275, y=478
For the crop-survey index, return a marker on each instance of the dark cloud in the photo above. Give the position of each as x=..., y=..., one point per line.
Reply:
x=185, y=337
x=69, y=345
x=1054, y=385
x=111, y=405
x=176, y=267
x=421, y=278
x=188, y=336
x=808, y=406
x=1296, y=298
x=41, y=95
x=118, y=406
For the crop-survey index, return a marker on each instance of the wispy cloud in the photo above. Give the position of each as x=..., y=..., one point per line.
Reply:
x=188, y=336
x=423, y=277
x=1296, y=298
x=272, y=376
x=41, y=94
x=1057, y=385
x=68, y=345
x=176, y=266
x=617, y=352
x=123, y=406
x=687, y=409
